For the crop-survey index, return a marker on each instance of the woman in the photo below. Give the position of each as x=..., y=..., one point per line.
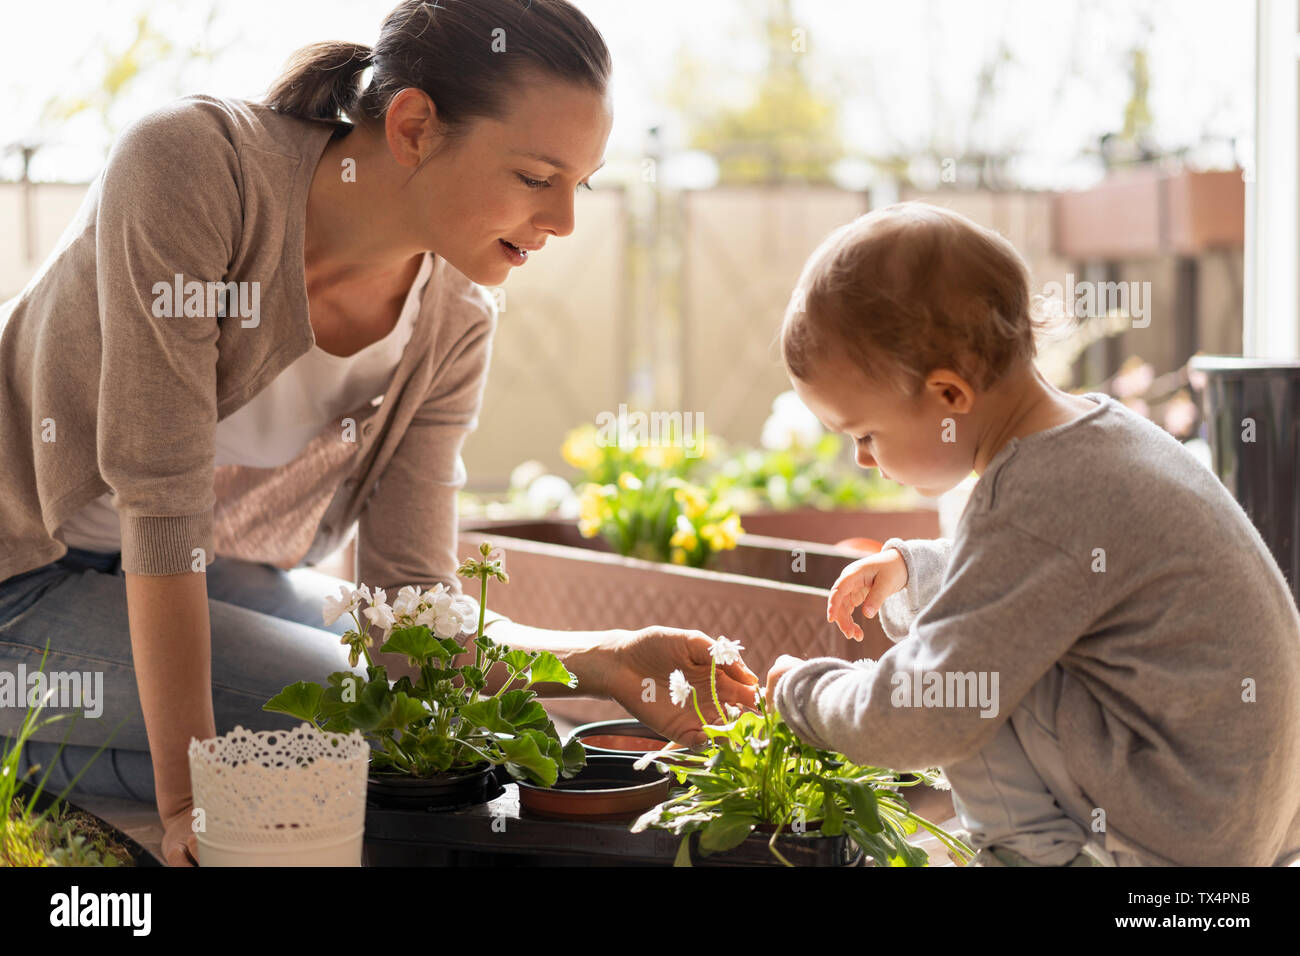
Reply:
x=197, y=370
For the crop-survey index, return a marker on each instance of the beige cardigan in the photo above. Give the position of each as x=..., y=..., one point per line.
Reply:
x=99, y=393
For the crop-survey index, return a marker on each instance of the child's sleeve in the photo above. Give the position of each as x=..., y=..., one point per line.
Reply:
x=926, y=560
x=1011, y=606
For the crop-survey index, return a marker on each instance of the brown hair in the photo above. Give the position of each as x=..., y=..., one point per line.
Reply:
x=908, y=289
x=467, y=55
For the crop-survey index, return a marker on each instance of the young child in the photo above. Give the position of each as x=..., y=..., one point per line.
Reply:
x=1105, y=659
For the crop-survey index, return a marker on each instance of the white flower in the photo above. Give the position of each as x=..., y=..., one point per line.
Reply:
x=725, y=651
x=380, y=614
x=790, y=424
x=679, y=688
x=407, y=602
x=940, y=779
x=732, y=712
x=336, y=607
x=756, y=744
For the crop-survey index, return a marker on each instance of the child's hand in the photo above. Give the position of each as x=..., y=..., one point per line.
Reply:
x=865, y=583
x=775, y=672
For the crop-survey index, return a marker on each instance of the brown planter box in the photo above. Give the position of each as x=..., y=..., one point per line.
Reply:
x=562, y=581
x=1147, y=212
x=828, y=527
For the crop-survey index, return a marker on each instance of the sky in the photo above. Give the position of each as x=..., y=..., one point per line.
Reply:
x=903, y=73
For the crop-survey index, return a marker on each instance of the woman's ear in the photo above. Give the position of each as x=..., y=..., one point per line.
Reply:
x=412, y=128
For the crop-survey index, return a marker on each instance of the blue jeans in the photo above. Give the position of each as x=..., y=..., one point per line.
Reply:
x=266, y=633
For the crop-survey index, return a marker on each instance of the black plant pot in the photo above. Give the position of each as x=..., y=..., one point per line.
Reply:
x=441, y=792
x=139, y=855
x=1262, y=473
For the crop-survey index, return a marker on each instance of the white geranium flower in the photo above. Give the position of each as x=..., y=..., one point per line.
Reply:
x=336, y=607
x=679, y=688
x=380, y=614
x=725, y=651
x=756, y=744
x=940, y=779
x=407, y=602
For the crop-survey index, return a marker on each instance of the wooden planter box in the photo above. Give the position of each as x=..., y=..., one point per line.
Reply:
x=560, y=580
x=828, y=527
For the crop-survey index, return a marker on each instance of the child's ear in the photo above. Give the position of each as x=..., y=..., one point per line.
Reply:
x=953, y=390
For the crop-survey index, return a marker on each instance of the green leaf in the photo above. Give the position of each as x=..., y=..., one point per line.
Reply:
x=523, y=755
x=517, y=661
x=405, y=711
x=573, y=757
x=832, y=815
x=683, y=857
x=301, y=700
x=486, y=713
x=863, y=800
x=725, y=832
x=417, y=643
x=373, y=706
x=522, y=709
x=474, y=677
x=548, y=669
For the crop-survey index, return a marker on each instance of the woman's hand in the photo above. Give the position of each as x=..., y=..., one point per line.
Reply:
x=180, y=844
x=637, y=665
x=866, y=584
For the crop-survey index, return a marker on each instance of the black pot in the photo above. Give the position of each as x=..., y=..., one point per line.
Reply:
x=441, y=792
x=1263, y=474
x=139, y=855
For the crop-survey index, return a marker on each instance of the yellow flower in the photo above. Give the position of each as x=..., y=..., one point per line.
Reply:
x=679, y=556
x=684, y=539
x=591, y=504
x=659, y=455
x=580, y=449
x=588, y=529
x=629, y=482
x=692, y=500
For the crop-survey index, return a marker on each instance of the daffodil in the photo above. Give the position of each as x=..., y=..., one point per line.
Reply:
x=679, y=556
x=629, y=482
x=580, y=449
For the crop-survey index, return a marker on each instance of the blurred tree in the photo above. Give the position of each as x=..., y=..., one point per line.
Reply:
x=787, y=131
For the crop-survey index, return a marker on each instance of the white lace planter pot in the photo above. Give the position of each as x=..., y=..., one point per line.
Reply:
x=280, y=797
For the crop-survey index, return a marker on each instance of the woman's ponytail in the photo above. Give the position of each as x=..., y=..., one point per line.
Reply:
x=320, y=81
x=469, y=56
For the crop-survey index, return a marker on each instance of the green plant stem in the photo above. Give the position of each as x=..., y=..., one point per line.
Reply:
x=713, y=689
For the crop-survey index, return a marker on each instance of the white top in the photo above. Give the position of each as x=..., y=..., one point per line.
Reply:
x=278, y=422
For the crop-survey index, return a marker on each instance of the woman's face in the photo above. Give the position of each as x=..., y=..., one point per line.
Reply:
x=511, y=180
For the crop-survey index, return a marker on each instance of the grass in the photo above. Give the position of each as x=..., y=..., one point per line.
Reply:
x=56, y=836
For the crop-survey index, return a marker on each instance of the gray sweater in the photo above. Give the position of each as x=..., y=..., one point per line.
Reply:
x=1104, y=546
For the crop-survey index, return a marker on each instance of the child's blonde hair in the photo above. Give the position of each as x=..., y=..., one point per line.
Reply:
x=908, y=289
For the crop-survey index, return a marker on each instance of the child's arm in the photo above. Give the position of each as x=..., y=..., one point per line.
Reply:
x=1011, y=606
x=926, y=560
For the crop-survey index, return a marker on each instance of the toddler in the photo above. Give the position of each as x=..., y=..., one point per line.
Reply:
x=1105, y=658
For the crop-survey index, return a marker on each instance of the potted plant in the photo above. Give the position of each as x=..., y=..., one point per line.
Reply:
x=436, y=740
x=39, y=828
x=757, y=782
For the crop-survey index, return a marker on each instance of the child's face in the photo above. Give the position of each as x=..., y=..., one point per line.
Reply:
x=915, y=442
